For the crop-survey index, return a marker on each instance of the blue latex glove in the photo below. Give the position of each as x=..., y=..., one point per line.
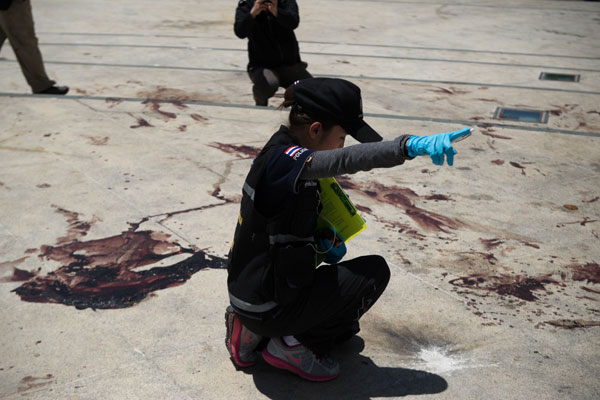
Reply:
x=334, y=252
x=436, y=145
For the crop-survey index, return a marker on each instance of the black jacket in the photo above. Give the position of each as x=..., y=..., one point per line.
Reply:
x=5, y=4
x=273, y=257
x=271, y=41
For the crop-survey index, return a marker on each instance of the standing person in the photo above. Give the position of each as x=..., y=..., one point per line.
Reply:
x=275, y=289
x=16, y=24
x=274, y=56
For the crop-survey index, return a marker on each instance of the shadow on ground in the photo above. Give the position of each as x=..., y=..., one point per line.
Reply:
x=359, y=378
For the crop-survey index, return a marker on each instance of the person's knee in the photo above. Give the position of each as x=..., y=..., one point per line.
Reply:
x=379, y=270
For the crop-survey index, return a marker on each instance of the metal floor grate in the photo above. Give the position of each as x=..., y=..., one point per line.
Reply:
x=551, y=76
x=516, y=114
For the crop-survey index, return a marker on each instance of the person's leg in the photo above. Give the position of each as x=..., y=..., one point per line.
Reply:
x=18, y=26
x=265, y=84
x=292, y=73
x=329, y=310
x=341, y=295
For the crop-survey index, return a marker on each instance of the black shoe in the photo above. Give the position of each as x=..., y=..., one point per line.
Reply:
x=60, y=90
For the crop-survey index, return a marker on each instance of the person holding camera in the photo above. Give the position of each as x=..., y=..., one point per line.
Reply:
x=276, y=292
x=273, y=52
x=16, y=24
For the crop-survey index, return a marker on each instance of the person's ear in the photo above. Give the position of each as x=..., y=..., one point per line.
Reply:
x=314, y=130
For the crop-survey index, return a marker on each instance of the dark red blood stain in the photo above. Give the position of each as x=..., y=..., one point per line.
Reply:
x=592, y=200
x=179, y=104
x=587, y=289
x=363, y=209
x=43, y=185
x=238, y=150
x=399, y=196
x=141, y=123
x=113, y=101
x=518, y=286
x=535, y=246
x=29, y=382
x=581, y=125
x=100, y=273
x=155, y=106
x=572, y=323
x=198, y=117
x=29, y=251
x=76, y=229
x=438, y=197
x=477, y=118
x=488, y=133
x=490, y=100
x=498, y=162
x=517, y=165
x=589, y=272
x=451, y=91
x=490, y=243
x=594, y=112
x=19, y=275
x=182, y=128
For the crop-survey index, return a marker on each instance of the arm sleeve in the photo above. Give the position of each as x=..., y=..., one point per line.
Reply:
x=243, y=20
x=360, y=157
x=287, y=14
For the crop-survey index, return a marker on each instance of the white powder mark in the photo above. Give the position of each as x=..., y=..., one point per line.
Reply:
x=439, y=360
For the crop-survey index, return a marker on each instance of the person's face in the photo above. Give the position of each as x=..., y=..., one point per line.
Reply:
x=321, y=139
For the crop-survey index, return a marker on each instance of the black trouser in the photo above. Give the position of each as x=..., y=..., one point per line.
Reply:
x=267, y=80
x=328, y=311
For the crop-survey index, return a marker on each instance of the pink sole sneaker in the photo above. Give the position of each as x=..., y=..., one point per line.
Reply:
x=282, y=364
x=233, y=340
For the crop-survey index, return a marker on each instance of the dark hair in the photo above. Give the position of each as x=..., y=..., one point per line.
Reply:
x=298, y=117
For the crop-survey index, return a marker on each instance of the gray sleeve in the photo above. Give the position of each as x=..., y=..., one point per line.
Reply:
x=360, y=157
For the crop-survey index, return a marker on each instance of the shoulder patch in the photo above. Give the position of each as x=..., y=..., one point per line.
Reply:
x=294, y=151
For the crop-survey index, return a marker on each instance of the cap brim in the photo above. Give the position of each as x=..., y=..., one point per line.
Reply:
x=361, y=131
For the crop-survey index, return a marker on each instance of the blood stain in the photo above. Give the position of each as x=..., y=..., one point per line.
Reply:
x=587, y=289
x=498, y=162
x=519, y=286
x=182, y=128
x=31, y=382
x=488, y=133
x=248, y=151
x=141, y=123
x=570, y=207
x=572, y=323
x=19, y=275
x=491, y=243
x=589, y=272
x=101, y=273
x=399, y=196
x=517, y=165
x=77, y=228
x=155, y=106
x=592, y=200
x=198, y=117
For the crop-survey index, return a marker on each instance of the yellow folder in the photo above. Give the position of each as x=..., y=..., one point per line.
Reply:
x=338, y=211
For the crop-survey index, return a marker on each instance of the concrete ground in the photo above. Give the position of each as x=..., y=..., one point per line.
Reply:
x=119, y=200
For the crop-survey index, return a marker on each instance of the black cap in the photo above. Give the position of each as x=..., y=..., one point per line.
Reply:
x=337, y=100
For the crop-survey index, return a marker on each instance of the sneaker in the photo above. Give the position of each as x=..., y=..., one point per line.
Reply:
x=240, y=341
x=300, y=360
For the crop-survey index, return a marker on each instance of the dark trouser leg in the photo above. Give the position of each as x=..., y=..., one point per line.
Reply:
x=292, y=73
x=17, y=24
x=329, y=310
x=265, y=85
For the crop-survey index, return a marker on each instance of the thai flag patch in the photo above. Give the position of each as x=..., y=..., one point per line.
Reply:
x=292, y=151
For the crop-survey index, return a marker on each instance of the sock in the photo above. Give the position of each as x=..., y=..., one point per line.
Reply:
x=290, y=341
